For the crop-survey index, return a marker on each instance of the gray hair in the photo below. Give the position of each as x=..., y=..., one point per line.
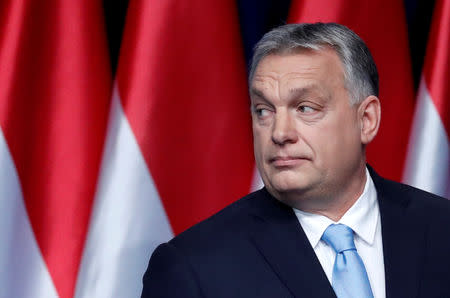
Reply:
x=360, y=71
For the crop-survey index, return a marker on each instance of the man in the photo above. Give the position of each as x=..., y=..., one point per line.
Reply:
x=324, y=225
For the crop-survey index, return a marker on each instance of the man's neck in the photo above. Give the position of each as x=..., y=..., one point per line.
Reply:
x=335, y=205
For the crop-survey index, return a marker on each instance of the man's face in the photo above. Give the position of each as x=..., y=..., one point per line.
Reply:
x=307, y=135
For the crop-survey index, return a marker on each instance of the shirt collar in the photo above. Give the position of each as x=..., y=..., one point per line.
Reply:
x=362, y=217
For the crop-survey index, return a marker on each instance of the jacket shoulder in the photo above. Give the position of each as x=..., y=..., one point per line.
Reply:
x=225, y=225
x=428, y=204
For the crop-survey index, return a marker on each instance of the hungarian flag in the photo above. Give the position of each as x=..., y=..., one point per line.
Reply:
x=382, y=25
x=428, y=165
x=55, y=87
x=179, y=139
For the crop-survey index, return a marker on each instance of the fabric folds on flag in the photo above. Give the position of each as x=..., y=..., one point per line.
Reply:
x=179, y=139
x=387, y=41
x=428, y=164
x=55, y=87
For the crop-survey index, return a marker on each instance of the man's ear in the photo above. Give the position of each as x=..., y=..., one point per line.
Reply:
x=369, y=113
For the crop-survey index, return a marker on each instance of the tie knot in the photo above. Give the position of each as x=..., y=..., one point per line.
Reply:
x=340, y=237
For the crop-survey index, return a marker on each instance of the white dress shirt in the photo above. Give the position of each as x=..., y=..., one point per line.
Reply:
x=364, y=219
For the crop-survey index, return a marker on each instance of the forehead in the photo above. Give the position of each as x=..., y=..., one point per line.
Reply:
x=304, y=66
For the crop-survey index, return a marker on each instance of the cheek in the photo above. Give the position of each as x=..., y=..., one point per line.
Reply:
x=343, y=146
x=258, y=143
x=335, y=142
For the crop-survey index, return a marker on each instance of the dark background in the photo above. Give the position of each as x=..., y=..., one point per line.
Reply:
x=258, y=16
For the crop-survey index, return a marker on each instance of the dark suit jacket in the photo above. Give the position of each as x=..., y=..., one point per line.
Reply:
x=257, y=248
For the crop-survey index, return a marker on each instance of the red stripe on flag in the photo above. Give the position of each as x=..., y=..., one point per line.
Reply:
x=54, y=93
x=381, y=24
x=437, y=64
x=182, y=83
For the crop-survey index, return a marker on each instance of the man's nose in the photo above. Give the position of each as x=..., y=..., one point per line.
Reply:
x=284, y=128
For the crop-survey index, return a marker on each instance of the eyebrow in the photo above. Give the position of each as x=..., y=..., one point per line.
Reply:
x=299, y=92
x=293, y=93
x=259, y=93
x=305, y=90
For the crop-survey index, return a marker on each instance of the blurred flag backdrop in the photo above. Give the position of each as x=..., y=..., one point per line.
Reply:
x=428, y=165
x=55, y=85
x=97, y=169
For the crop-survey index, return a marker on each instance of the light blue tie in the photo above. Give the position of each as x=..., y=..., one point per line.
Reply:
x=349, y=274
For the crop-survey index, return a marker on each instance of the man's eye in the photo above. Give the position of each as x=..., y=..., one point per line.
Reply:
x=261, y=113
x=306, y=109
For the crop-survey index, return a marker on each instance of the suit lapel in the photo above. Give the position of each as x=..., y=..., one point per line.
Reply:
x=403, y=234
x=278, y=236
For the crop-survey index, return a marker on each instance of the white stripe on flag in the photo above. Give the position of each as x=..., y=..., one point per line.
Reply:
x=128, y=219
x=427, y=165
x=23, y=272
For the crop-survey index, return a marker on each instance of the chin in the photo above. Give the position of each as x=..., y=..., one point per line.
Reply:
x=285, y=187
x=291, y=183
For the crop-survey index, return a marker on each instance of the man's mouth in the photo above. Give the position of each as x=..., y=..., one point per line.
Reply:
x=286, y=161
